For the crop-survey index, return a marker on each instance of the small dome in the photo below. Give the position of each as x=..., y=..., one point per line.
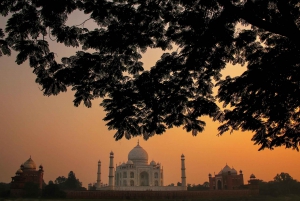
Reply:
x=138, y=155
x=19, y=171
x=29, y=165
x=209, y=175
x=129, y=162
x=123, y=164
x=252, y=176
x=233, y=171
x=152, y=163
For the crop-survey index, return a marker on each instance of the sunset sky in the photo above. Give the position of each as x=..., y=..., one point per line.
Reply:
x=62, y=137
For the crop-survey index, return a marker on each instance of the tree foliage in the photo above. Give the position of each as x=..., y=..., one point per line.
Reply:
x=69, y=183
x=283, y=184
x=198, y=187
x=53, y=190
x=262, y=35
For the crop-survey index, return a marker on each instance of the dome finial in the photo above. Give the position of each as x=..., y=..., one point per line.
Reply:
x=138, y=142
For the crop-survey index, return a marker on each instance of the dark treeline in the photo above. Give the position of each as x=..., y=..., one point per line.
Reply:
x=194, y=187
x=283, y=184
x=54, y=189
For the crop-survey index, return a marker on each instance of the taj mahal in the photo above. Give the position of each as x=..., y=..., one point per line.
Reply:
x=137, y=174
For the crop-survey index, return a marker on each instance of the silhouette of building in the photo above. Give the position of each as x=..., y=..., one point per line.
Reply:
x=227, y=179
x=253, y=183
x=137, y=174
x=27, y=173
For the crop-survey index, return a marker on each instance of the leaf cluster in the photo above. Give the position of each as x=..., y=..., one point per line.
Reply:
x=179, y=89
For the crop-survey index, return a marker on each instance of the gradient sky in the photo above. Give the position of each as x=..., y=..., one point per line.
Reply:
x=62, y=137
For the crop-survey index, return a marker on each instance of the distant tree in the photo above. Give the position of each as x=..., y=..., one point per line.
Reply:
x=72, y=182
x=60, y=180
x=283, y=177
x=196, y=187
x=206, y=35
x=286, y=184
x=179, y=183
x=69, y=183
x=52, y=190
x=283, y=184
x=92, y=187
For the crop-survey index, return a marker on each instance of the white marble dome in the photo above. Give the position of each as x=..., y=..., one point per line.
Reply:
x=138, y=155
x=29, y=165
x=153, y=163
x=129, y=162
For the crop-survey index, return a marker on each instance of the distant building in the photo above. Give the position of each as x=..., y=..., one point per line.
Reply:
x=137, y=174
x=253, y=183
x=226, y=179
x=27, y=173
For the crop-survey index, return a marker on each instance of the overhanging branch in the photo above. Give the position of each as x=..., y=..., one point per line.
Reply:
x=248, y=15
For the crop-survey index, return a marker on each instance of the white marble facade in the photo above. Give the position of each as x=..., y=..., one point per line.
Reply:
x=137, y=171
x=137, y=174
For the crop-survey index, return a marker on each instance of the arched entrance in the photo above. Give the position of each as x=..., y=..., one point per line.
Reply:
x=144, y=179
x=219, y=183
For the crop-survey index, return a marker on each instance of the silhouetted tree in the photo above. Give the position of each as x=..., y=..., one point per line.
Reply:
x=283, y=177
x=283, y=184
x=178, y=90
x=196, y=187
x=93, y=187
x=286, y=184
x=53, y=191
x=72, y=182
x=69, y=183
x=60, y=181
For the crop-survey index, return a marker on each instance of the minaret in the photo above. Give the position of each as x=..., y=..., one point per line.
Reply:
x=111, y=170
x=183, y=178
x=99, y=174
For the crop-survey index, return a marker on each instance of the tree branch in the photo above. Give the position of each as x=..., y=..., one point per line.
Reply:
x=248, y=15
